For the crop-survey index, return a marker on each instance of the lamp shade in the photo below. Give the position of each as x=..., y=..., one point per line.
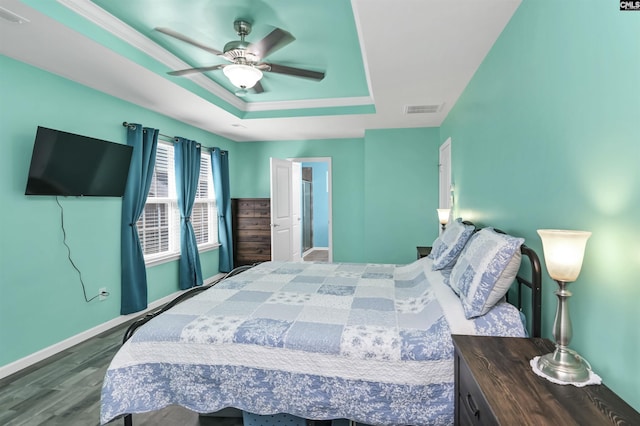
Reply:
x=242, y=76
x=563, y=252
x=443, y=216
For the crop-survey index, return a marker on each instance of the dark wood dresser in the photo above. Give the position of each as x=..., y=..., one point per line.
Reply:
x=494, y=385
x=251, y=226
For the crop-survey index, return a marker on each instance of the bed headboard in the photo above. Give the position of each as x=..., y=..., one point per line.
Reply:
x=535, y=284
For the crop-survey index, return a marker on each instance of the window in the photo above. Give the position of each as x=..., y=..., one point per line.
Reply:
x=159, y=224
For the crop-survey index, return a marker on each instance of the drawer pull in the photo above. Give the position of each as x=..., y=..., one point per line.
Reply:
x=472, y=406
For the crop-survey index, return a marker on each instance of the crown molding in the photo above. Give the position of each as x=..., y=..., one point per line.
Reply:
x=309, y=103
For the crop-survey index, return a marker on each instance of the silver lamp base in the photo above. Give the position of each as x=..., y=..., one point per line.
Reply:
x=564, y=365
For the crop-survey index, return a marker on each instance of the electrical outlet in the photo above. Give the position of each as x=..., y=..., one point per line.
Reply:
x=103, y=293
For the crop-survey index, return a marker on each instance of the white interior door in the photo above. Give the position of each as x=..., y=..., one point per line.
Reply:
x=296, y=211
x=281, y=210
x=445, y=175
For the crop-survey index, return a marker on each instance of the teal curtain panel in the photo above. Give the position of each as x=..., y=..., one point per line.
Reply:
x=220, y=169
x=187, y=164
x=134, y=273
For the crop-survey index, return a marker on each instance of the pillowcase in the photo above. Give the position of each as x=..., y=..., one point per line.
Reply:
x=448, y=246
x=485, y=270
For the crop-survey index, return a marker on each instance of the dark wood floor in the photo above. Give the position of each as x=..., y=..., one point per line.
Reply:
x=65, y=390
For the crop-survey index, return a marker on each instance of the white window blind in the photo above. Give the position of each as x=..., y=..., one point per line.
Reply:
x=204, y=216
x=159, y=224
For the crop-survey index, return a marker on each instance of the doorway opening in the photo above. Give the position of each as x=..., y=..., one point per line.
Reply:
x=315, y=211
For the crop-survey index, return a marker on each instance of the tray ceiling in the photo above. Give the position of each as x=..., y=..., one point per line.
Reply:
x=381, y=58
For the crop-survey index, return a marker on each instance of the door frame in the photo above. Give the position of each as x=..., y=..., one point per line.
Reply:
x=330, y=197
x=296, y=211
x=444, y=168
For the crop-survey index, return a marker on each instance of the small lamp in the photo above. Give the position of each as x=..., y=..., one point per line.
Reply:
x=563, y=253
x=443, y=217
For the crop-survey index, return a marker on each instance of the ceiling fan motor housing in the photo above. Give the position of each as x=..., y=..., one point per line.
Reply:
x=236, y=50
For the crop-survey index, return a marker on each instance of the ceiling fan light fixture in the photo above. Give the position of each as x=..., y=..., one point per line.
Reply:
x=242, y=76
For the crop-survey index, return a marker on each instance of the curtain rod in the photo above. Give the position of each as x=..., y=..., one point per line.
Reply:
x=133, y=127
x=167, y=138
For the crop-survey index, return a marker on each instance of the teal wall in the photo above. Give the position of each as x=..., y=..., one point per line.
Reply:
x=41, y=301
x=385, y=187
x=546, y=135
x=401, y=193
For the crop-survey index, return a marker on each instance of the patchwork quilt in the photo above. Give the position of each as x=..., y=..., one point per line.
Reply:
x=367, y=342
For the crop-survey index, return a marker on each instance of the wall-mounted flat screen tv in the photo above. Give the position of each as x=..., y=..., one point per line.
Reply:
x=73, y=165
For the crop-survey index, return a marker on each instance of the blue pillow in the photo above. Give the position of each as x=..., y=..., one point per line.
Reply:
x=485, y=270
x=448, y=246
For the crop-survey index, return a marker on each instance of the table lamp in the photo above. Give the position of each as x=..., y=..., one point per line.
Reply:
x=563, y=253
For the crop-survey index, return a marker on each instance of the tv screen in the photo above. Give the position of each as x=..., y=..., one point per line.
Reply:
x=73, y=165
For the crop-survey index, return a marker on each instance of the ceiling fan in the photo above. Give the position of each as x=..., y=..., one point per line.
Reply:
x=246, y=66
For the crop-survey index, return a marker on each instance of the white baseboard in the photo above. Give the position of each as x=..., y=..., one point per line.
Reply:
x=315, y=249
x=45, y=353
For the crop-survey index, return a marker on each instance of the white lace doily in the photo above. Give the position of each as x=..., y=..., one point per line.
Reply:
x=594, y=379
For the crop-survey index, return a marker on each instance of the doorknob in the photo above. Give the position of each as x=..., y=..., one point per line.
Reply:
x=274, y=225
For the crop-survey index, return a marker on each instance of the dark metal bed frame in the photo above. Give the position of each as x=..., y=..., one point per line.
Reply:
x=184, y=296
x=535, y=284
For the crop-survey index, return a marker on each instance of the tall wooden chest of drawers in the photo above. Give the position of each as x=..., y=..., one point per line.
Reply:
x=251, y=230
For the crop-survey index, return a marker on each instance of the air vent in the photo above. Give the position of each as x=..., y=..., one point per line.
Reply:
x=422, y=109
x=14, y=18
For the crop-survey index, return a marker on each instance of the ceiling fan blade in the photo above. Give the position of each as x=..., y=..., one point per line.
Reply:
x=195, y=70
x=186, y=39
x=275, y=40
x=258, y=88
x=297, y=72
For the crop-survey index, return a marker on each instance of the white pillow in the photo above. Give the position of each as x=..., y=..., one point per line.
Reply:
x=448, y=246
x=485, y=270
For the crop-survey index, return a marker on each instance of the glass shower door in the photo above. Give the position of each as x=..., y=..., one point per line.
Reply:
x=307, y=217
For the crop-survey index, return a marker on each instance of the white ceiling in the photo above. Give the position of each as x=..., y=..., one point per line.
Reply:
x=416, y=52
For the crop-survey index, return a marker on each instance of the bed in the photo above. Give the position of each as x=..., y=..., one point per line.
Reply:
x=365, y=342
